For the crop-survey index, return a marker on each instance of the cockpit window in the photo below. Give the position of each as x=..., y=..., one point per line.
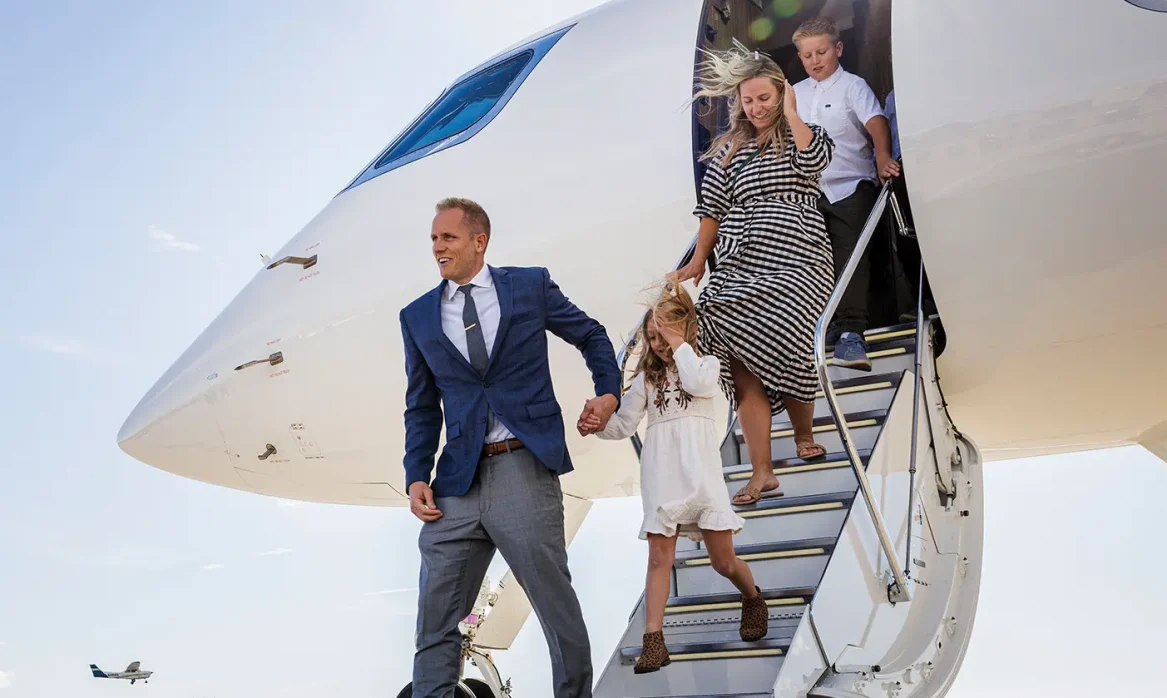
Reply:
x=463, y=110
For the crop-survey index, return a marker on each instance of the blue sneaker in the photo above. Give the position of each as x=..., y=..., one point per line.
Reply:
x=851, y=352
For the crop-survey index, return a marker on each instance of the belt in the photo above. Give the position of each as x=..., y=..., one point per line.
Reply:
x=498, y=447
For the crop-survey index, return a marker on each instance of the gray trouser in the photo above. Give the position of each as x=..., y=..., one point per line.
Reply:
x=516, y=505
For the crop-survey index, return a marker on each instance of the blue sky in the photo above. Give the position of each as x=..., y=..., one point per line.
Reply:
x=152, y=153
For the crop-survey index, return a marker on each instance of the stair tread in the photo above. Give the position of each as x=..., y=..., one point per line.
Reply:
x=782, y=643
x=889, y=377
x=768, y=594
x=878, y=415
x=754, y=548
x=779, y=503
x=839, y=457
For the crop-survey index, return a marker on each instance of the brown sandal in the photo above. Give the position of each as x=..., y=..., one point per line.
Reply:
x=653, y=653
x=807, y=449
x=754, y=495
x=755, y=618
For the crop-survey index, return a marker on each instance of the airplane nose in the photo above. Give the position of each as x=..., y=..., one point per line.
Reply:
x=173, y=426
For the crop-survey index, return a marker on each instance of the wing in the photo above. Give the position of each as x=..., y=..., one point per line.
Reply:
x=133, y=666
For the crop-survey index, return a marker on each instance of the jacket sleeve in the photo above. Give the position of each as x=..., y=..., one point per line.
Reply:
x=573, y=326
x=423, y=412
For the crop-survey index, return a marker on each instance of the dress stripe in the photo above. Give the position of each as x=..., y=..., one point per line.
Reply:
x=774, y=271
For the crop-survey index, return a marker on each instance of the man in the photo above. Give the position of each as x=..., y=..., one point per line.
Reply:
x=844, y=105
x=476, y=352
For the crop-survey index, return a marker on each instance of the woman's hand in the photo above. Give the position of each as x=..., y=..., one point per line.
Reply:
x=789, y=100
x=694, y=270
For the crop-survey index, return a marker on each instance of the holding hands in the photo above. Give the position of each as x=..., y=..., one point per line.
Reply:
x=595, y=415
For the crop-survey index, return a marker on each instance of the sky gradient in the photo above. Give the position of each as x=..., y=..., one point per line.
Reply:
x=153, y=153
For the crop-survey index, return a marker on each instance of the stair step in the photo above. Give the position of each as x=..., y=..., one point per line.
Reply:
x=864, y=427
x=890, y=357
x=797, y=477
x=806, y=547
x=696, y=651
x=775, y=598
x=785, y=506
x=872, y=392
x=783, y=429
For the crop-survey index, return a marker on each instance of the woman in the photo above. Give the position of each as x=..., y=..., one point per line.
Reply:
x=774, y=272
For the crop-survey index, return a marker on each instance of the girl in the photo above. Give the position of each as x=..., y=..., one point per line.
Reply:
x=681, y=484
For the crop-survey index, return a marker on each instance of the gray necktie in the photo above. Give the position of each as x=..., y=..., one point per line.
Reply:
x=475, y=341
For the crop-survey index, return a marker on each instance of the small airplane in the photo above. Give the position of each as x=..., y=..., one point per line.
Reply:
x=132, y=672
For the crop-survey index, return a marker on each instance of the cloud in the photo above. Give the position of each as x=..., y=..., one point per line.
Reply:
x=287, y=503
x=170, y=242
x=54, y=345
x=277, y=551
x=213, y=566
x=6, y=679
x=352, y=608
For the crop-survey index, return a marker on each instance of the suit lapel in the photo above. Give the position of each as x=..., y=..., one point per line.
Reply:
x=502, y=286
x=436, y=316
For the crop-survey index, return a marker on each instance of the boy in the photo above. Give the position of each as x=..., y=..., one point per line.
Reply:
x=844, y=105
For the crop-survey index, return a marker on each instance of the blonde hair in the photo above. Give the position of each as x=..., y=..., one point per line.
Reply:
x=817, y=26
x=473, y=215
x=721, y=75
x=673, y=308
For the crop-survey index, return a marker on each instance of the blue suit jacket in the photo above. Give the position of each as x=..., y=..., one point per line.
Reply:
x=517, y=384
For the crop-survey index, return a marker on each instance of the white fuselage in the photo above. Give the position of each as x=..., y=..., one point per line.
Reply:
x=1033, y=156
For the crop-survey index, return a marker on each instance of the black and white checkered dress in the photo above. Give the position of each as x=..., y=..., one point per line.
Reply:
x=773, y=268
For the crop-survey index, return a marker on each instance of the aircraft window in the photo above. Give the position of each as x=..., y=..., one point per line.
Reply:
x=463, y=110
x=460, y=109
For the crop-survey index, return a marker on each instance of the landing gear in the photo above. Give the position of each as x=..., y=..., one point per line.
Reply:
x=493, y=686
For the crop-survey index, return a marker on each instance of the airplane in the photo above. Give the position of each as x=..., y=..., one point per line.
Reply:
x=1034, y=185
x=132, y=672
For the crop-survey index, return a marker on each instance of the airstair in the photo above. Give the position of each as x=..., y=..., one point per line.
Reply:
x=869, y=560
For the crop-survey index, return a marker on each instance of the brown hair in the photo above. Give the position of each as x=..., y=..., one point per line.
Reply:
x=473, y=215
x=673, y=308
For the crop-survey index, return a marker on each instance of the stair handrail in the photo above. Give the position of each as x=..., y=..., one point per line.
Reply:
x=625, y=349
x=897, y=588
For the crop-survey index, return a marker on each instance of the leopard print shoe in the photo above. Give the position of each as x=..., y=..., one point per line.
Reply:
x=755, y=618
x=653, y=653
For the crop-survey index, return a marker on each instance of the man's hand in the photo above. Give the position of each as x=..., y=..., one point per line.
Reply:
x=421, y=502
x=596, y=414
x=887, y=167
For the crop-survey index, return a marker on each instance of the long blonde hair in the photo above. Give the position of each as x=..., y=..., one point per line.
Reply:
x=673, y=308
x=721, y=76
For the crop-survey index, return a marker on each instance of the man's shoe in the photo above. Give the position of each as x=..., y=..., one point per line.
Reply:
x=851, y=352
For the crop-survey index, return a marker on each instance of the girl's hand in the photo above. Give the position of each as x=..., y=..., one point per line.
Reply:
x=669, y=334
x=789, y=100
x=693, y=270
x=589, y=423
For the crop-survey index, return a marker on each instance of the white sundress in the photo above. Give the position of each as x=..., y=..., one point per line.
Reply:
x=681, y=485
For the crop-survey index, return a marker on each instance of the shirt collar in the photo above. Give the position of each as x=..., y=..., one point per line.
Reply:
x=830, y=82
x=482, y=279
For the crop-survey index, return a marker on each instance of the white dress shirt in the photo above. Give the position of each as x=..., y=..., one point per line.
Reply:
x=486, y=304
x=842, y=104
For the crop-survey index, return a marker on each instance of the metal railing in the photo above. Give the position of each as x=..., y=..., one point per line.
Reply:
x=897, y=589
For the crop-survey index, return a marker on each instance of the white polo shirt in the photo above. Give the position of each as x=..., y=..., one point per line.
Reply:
x=842, y=104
